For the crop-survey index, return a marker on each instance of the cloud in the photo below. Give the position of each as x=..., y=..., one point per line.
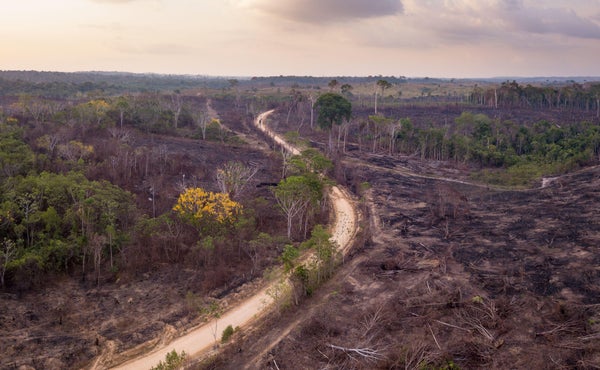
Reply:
x=156, y=49
x=319, y=11
x=559, y=21
x=505, y=21
x=113, y=1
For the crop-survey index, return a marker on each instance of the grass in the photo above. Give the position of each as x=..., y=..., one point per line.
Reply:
x=521, y=175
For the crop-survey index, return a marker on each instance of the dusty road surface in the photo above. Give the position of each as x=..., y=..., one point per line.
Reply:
x=202, y=338
x=344, y=227
x=261, y=121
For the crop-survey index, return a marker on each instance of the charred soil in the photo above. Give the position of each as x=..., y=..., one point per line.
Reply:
x=455, y=274
x=65, y=322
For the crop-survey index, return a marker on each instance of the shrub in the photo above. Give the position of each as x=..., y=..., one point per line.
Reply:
x=227, y=333
x=173, y=361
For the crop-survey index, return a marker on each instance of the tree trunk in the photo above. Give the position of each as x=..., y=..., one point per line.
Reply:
x=495, y=99
x=289, y=226
x=312, y=112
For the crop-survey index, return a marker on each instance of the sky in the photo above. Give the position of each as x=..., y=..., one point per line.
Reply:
x=412, y=38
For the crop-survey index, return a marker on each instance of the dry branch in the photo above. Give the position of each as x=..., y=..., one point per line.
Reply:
x=452, y=326
x=434, y=338
x=367, y=353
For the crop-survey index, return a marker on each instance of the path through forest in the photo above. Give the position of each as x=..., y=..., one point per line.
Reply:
x=202, y=338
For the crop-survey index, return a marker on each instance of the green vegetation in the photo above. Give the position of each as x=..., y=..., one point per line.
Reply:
x=508, y=154
x=56, y=221
x=332, y=110
x=227, y=333
x=299, y=198
x=570, y=95
x=308, y=277
x=86, y=191
x=173, y=361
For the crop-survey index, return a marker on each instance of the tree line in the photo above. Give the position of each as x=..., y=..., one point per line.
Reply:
x=524, y=152
x=509, y=94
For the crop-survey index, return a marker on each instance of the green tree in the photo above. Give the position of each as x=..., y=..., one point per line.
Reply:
x=57, y=219
x=310, y=161
x=16, y=157
x=320, y=242
x=213, y=311
x=298, y=197
x=347, y=90
x=289, y=256
x=121, y=105
x=332, y=110
x=8, y=251
x=227, y=333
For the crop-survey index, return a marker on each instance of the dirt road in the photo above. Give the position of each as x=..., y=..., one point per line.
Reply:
x=261, y=123
x=201, y=339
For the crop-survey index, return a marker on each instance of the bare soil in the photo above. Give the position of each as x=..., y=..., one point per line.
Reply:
x=454, y=273
x=67, y=323
x=241, y=313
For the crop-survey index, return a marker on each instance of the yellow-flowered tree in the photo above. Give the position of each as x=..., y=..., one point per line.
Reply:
x=206, y=210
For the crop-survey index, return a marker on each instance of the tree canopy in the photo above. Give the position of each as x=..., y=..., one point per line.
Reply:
x=332, y=109
x=199, y=206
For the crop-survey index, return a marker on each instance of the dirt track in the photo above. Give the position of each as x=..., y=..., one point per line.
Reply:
x=200, y=339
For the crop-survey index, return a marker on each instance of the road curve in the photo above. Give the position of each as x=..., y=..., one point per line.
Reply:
x=201, y=339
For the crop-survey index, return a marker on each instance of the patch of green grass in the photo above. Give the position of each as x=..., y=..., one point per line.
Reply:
x=521, y=175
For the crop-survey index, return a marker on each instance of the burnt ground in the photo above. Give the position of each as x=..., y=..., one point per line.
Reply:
x=454, y=275
x=67, y=322
x=452, y=272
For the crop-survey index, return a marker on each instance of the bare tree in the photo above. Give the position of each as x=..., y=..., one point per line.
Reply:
x=122, y=105
x=233, y=177
x=286, y=156
x=176, y=106
x=383, y=85
x=312, y=99
x=154, y=186
x=296, y=99
x=201, y=120
x=96, y=245
x=7, y=254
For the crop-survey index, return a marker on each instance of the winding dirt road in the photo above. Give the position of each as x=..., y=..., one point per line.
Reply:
x=201, y=339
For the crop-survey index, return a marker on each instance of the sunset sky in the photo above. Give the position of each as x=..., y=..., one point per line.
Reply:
x=413, y=38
